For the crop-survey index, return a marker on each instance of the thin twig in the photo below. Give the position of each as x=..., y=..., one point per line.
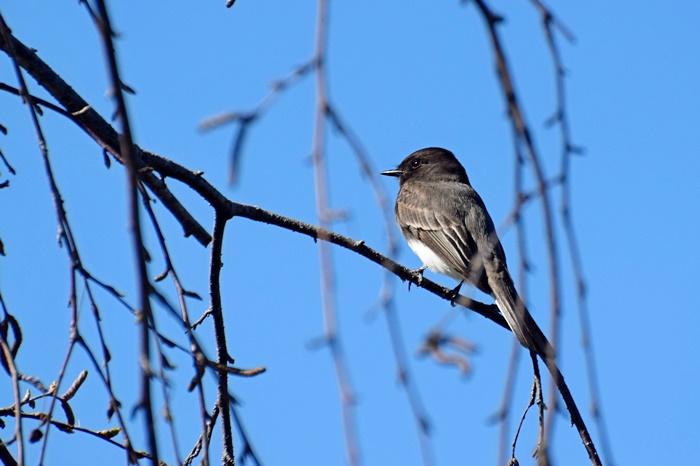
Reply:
x=245, y=119
x=143, y=285
x=540, y=452
x=523, y=136
x=535, y=397
x=9, y=361
x=332, y=338
x=386, y=293
x=204, y=439
x=523, y=267
x=195, y=349
x=5, y=34
x=102, y=435
x=67, y=238
x=502, y=415
x=220, y=335
x=568, y=151
x=5, y=455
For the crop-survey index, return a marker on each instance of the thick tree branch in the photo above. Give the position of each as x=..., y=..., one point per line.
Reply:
x=97, y=127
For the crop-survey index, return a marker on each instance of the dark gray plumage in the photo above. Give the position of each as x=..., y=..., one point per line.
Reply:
x=446, y=224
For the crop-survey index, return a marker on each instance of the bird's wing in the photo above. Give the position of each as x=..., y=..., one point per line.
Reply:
x=463, y=235
x=441, y=226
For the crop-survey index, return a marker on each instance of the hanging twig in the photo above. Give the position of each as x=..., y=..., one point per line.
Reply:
x=223, y=357
x=318, y=155
x=126, y=149
x=568, y=151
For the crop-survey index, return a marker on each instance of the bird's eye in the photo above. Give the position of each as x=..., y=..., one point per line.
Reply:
x=415, y=163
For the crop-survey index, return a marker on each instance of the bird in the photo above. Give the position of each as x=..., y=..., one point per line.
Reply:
x=446, y=224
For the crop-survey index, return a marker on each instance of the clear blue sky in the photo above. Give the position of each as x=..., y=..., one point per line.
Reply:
x=404, y=75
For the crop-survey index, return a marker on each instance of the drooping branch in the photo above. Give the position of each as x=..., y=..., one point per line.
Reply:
x=221, y=348
x=523, y=137
x=95, y=125
x=145, y=316
x=331, y=333
x=152, y=162
x=66, y=237
x=569, y=150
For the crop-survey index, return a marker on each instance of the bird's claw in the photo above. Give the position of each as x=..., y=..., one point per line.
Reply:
x=418, y=274
x=454, y=294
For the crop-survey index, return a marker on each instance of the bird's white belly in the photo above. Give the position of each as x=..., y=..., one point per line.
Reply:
x=431, y=260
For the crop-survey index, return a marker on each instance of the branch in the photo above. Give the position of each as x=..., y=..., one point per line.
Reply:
x=568, y=151
x=97, y=128
x=143, y=285
x=220, y=335
x=324, y=213
x=8, y=360
x=523, y=136
x=145, y=162
x=96, y=125
x=105, y=435
x=246, y=119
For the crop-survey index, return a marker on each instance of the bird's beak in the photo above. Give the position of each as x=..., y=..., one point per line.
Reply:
x=395, y=172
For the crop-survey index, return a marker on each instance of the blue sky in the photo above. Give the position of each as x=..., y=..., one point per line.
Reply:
x=404, y=75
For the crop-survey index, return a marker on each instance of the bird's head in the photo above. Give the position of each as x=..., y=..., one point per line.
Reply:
x=430, y=164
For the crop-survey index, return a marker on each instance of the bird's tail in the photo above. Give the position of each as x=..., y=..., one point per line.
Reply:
x=531, y=337
x=519, y=319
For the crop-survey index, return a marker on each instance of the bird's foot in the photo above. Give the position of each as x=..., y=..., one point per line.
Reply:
x=454, y=294
x=418, y=274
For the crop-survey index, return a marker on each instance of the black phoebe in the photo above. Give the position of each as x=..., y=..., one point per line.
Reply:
x=446, y=224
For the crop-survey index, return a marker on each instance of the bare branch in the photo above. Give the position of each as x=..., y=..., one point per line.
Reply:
x=97, y=128
x=523, y=136
x=323, y=211
x=568, y=151
x=220, y=335
x=126, y=149
x=8, y=361
x=142, y=167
